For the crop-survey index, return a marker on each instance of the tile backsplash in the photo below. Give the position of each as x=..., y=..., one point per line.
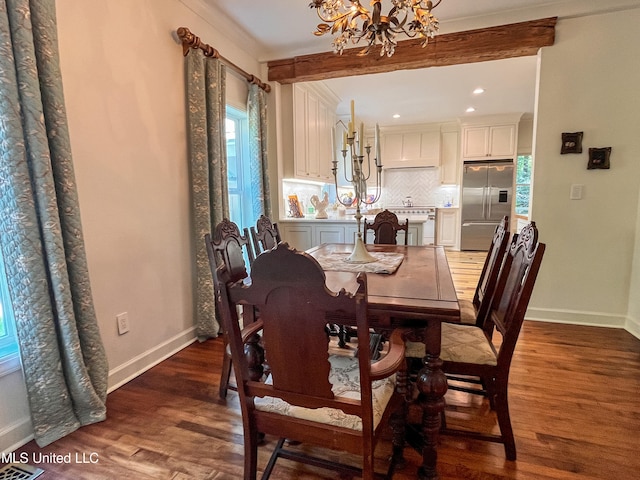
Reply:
x=421, y=184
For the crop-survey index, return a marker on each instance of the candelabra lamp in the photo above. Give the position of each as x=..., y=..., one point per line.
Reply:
x=354, y=173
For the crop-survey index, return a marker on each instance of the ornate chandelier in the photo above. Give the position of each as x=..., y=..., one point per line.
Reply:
x=354, y=22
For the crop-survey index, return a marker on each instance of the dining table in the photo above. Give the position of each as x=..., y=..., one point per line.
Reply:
x=408, y=287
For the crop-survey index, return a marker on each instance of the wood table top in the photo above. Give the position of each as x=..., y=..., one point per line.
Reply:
x=421, y=288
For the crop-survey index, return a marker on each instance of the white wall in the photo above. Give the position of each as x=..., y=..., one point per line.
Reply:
x=633, y=316
x=588, y=82
x=123, y=76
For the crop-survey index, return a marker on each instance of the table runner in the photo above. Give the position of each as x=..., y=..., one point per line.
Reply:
x=386, y=262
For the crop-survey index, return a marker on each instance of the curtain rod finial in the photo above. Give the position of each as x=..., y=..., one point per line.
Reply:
x=189, y=40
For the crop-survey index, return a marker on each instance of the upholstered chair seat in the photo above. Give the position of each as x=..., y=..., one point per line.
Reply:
x=344, y=377
x=460, y=343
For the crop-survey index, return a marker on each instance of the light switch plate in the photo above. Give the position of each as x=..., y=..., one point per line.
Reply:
x=576, y=192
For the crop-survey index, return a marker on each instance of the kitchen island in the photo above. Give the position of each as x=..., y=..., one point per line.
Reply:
x=308, y=232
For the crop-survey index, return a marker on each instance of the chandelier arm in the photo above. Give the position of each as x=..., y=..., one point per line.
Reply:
x=334, y=18
x=378, y=190
x=408, y=33
x=368, y=150
x=392, y=14
x=377, y=13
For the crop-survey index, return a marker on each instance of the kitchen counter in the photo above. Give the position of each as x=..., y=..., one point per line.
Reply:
x=304, y=233
x=413, y=218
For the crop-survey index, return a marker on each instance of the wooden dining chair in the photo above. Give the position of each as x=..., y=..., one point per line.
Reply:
x=475, y=312
x=227, y=246
x=385, y=228
x=265, y=235
x=473, y=351
x=310, y=396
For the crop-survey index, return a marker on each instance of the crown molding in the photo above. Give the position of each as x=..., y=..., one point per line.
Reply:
x=226, y=26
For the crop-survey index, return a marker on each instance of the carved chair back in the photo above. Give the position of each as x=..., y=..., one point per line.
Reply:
x=225, y=250
x=227, y=245
x=386, y=227
x=490, y=270
x=265, y=235
x=513, y=292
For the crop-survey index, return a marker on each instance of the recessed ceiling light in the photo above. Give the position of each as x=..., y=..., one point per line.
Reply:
x=470, y=109
x=478, y=91
x=396, y=115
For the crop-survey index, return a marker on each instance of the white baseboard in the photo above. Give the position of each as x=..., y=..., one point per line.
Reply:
x=122, y=374
x=576, y=317
x=19, y=433
x=632, y=325
x=15, y=435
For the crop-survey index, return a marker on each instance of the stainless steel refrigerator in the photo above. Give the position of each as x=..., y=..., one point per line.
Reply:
x=487, y=188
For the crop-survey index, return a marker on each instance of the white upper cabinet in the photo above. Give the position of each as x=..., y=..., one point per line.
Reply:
x=491, y=141
x=450, y=160
x=410, y=146
x=490, y=137
x=312, y=122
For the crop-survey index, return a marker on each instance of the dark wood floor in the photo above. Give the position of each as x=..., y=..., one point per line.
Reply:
x=574, y=397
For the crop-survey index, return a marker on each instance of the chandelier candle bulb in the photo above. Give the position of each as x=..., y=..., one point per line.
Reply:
x=333, y=144
x=377, y=145
x=353, y=117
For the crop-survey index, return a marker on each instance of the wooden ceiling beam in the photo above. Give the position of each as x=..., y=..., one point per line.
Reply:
x=481, y=45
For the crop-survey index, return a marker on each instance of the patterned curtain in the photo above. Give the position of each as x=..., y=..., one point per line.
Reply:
x=208, y=161
x=64, y=362
x=257, y=115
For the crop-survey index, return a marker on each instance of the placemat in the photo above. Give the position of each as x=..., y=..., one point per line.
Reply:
x=386, y=262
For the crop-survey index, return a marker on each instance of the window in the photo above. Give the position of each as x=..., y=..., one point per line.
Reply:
x=3, y=329
x=8, y=342
x=238, y=169
x=523, y=184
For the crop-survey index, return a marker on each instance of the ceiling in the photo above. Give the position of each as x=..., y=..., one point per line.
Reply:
x=428, y=95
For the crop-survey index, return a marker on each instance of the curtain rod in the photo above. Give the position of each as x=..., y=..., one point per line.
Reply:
x=189, y=40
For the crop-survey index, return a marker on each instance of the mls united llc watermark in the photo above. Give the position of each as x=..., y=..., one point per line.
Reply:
x=39, y=457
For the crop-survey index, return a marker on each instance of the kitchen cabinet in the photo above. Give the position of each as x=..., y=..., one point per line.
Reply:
x=447, y=227
x=328, y=233
x=297, y=235
x=449, y=166
x=414, y=233
x=303, y=235
x=489, y=141
x=351, y=232
x=403, y=147
x=313, y=142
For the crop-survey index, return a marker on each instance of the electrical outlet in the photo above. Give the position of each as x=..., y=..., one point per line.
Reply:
x=123, y=323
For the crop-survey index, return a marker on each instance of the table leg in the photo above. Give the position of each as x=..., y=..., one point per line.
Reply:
x=432, y=385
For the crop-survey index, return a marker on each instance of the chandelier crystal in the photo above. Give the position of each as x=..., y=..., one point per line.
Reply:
x=353, y=22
